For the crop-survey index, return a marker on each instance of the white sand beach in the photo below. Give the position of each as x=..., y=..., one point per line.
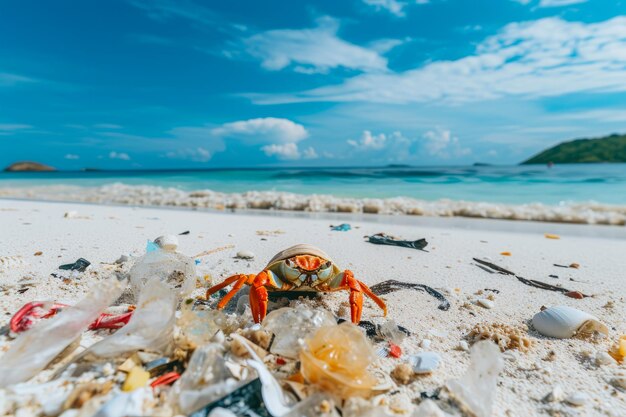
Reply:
x=102, y=233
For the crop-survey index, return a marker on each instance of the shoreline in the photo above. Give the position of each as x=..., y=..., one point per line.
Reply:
x=154, y=196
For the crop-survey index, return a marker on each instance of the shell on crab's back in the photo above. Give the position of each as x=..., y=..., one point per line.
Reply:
x=300, y=249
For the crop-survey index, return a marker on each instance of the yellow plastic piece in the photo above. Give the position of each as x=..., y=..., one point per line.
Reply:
x=618, y=350
x=336, y=360
x=505, y=253
x=137, y=378
x=551, y=236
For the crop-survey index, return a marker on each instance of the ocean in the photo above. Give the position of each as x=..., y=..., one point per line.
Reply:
x=523, y=184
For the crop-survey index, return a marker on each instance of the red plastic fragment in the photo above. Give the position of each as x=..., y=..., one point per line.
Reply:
x=280, y=361
x=394, y=350
x=165, y=379
x=575, y=294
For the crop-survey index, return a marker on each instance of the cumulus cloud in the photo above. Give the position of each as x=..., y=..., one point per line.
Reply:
x=394, y=7
x=442, y=144
x=559, y=3
x=198, y=154
x=369, y=141
x=284, y=151
x=262, y=130
x=315, y=50
x=309, y=153
x=542, y=58
x=119, y=155
x=71, y=156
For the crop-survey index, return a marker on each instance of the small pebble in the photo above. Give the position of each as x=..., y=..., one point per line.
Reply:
x=425, y=344
x=403, y=373
x=245, y=254
x=486, y=303
x=463, y=345
x=556, y=395
x=577, y=399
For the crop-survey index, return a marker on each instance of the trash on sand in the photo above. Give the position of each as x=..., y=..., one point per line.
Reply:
x=505, y=253
x=136, y=378
x=530, y=282
x=389, y=330
x=384, y=239
x=175, y=269
x=33, y=350
x=134, y=403
x=392, y=285
x=425, y=362
x=167, y=242
x=291, y=325
x=246, y=400
x=475, y=391
x=336, y=359
x=575, y=294
x=343, y=227
x=205, y=380
x=80, y=265
x=551, y=236
x=563, y=322
x=618, y=350
x=151, y=326
x=186, y=232
x=165, y=379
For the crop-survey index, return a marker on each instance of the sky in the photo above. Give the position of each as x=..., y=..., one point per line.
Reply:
x=139, y=84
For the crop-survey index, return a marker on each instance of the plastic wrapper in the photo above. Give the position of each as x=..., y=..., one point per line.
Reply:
x=291, y=325
x=150, y=328
x=135, y=403
x=205, y=380
x=175, y=269
x=37, y=347
x=317, y=405
x=336, y=360
x=475, y=391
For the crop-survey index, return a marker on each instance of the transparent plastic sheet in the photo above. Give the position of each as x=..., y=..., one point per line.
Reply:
x=150, y=328
x=37, y=347
x=175, y=269
x=204, y=381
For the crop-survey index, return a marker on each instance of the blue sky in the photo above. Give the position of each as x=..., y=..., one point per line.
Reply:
x=191, y=84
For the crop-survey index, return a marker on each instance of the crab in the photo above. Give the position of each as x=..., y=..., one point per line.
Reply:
x=298, y=268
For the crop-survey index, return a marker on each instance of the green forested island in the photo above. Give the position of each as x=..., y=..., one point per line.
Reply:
x=607, y=149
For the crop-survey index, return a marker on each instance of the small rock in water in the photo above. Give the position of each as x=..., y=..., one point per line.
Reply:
x=556, y=395
x=245, y=254
x=167, y=242
x=486, y=303
x=577, y=399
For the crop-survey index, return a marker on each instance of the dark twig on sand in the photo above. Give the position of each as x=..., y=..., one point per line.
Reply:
x=392, y=285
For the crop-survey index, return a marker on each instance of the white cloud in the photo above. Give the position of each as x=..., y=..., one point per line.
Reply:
x=369, y=141
x=313, y=50
x=106, y=126
x=309, y=153
x=542, y=58
x=9, y=80
x=198, y=154
x=10, y=128
x=72, y=156
x=119, y=155
x=559, y=3
x=284, y=151
x=262, y=130
x=442, y=144
x=392, y=6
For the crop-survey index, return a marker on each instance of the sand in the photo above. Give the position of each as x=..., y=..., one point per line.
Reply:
x=103, y=233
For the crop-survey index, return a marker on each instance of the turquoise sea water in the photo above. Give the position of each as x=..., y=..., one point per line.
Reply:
x=603, y=183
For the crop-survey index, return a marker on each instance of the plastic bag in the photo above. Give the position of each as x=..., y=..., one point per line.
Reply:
x=151, y=326
x=175, y=269
x=37, y=347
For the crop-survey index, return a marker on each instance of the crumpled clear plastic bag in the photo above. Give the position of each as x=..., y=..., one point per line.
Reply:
x=205, y=380
x=37, y=347
x=291, y=325
x=175, y=269
x=150, y=328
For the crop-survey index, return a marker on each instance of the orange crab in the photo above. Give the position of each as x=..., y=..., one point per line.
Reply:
x=298, y=268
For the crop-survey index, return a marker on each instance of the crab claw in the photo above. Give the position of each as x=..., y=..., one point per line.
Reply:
x=258, y=297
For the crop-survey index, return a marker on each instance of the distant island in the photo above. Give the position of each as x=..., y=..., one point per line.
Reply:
x=26, y=166
x=607, y=149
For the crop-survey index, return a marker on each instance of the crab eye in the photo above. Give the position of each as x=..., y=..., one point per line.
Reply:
x=290, y=272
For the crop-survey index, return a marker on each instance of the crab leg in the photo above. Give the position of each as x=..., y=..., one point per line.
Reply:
x=239, y=280
x=357, y=289
x=258, y=296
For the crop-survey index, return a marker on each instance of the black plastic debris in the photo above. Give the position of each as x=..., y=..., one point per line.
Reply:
x=372, y=330
x=529, y=282
x=384, y=239
x=80, y=265
x=186, y=232
x=392, y=285
x=245, y=401
x=159, y=367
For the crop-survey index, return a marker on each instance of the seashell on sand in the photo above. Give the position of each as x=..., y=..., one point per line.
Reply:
x=167, y=242
x=483, y=302
x=563, y=322
x=245, y=254
x=577, y=398
x=425, y=362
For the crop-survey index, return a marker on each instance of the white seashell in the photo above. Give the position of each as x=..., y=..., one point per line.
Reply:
x=577, y=398
x=167, y=242
x=463, y=345
x=603, y=358
x=556, y=395
x=486, y=303
x=425, y=344
x=245, y=254
x=10, y=262
x=301, y=249
x=425, y=362
x=563, y=322
x=70, y=214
